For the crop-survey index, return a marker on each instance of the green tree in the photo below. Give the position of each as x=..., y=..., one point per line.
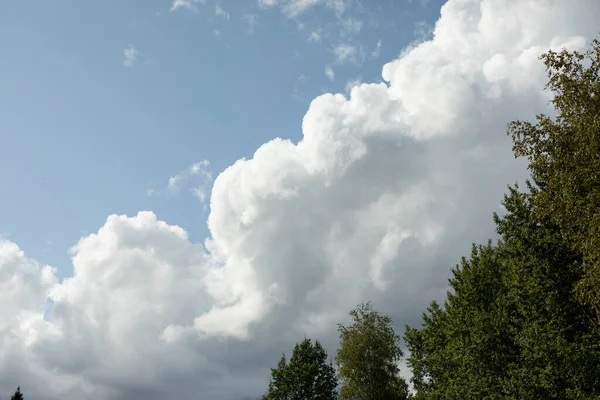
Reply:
x=18, y=395
x=521, y=318
x=307, y=376
x=510, y=327
x=462, y=349
x=564, y=159
x=368, y=356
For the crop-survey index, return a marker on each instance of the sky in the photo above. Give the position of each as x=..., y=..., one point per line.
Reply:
x=189, y=187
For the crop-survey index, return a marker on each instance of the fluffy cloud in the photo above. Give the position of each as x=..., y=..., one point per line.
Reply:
x=385, y=191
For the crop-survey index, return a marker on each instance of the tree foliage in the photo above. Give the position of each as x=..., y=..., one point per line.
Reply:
x=18, y=395
x=564, y=159
x=307, y=376
x=368, y=356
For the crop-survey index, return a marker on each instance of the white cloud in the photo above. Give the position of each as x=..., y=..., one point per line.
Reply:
x=329, y=73
x=197, y=175
x=386, y=190
x=351, y=26
x=219, y=12
x=423, y=3
x=314, y=37
x=345, y=52
x=251, y=21
x=375, y=53
x=189, y=4
x=267, y=3
x=293, y=8
x=339, y=6
x=130, y=55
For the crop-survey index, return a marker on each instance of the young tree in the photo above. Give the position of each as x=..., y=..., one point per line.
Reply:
x=367, y=357
x=564, y=159
x=18, y=395
x=307, y=376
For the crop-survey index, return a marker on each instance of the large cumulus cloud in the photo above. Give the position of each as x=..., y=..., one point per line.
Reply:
x=379, y=199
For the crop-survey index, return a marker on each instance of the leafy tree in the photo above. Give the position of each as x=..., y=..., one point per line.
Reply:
x=510, y=327
x=462, y=349
x=521, y=319
x=18, y=395
x=307, y=376
x=367, y=357
x=564, y=159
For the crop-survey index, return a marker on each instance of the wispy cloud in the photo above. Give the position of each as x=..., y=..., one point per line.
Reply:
x=189, y=4
x=299, y=86
x=422, y=31
x=267, y=3
x=197, y=176
x=329, y=73
x=345, y=52
x=130, y=55
x=251, y=21
x=423, y=3
x=375, y=53
x=351, y=26
x=220, y=12
x=315, y=37
x=339, y=6
x=293, y=8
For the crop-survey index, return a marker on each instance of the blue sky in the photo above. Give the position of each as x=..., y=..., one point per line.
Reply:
x=85, y=136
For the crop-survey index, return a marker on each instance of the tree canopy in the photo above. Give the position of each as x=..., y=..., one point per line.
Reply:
x=368, y=357
x=18, y=395
x=564, y=160
x=307, y=376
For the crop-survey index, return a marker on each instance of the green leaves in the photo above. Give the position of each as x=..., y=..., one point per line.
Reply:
x=307, y=376
x=367, y=357
x=564, y=159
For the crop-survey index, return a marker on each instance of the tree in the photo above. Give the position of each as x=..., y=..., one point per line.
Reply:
x=368, y=356
x=307, y=376
x=564, y=159
x=521, y=319
x=18, y=395
x=510, y=327
x=462, y=349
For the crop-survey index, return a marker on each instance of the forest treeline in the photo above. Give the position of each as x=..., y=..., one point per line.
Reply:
x=522, y=317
